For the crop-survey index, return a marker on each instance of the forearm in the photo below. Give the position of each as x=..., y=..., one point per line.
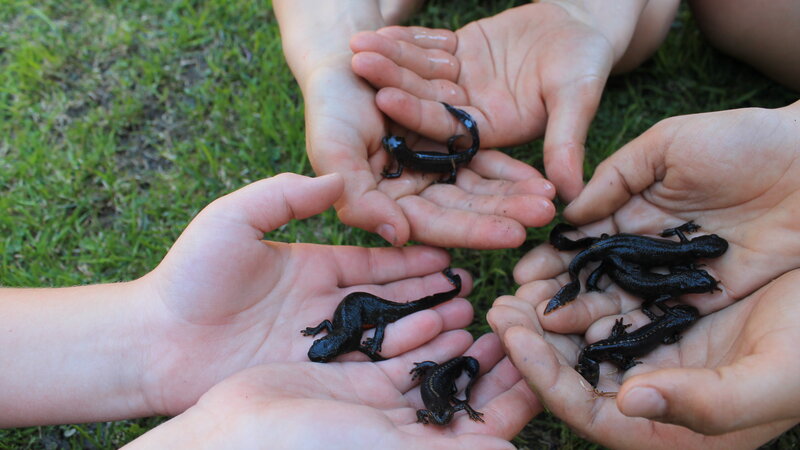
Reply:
x=317, y=32
x=71, y=354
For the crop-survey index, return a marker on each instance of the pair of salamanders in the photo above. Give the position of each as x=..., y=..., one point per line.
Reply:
x=434, y=162
x=361, y=310
x=627, y=258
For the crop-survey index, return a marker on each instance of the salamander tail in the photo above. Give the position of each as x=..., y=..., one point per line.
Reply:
x=565, y=295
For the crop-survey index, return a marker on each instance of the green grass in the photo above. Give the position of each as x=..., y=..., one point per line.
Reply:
x=119, y=120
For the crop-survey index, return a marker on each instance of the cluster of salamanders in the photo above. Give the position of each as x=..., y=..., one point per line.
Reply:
x=627, y=259
x=438, y=389
x=361, y=311
x=434, y=162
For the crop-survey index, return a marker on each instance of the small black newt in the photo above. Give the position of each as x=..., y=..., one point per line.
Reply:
x=438, y=389
x=359, y=311
x=622, y=347
x=434, y=161
x=650, y=286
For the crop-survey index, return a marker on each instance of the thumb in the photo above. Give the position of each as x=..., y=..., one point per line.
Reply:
x=272, y=202
x=366, y=207
x=711, y=401
x=570, y=111
x=629, y=171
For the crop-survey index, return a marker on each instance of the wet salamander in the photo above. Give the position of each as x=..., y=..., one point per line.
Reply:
x=439, y=389
x=434, y=161
x=622, y=347
x=359, y=311
x=640, y=250
x=650, y=286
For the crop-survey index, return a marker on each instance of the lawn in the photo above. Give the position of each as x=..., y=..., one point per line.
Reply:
x=120, y=120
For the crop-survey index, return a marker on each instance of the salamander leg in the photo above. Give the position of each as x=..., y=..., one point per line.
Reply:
x=375, y=343
x=313, y=331
x=688, y=227
x=396, y=174
x=594, y=278
x=420, y=368
x=463, y=405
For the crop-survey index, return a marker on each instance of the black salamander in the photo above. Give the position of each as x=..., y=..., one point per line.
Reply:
x=640, y=250
x=650, y=286
x=438, y=389
x=622, y=347
x=359, y=311
x=434, y=161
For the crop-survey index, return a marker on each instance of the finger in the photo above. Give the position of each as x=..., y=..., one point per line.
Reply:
x=428, y=63
x=499, y=166
x=542, y=263
x=444, y=347
x=570, y=111
x=434, y=225
x=360, y=265
x=528, y=210
x=426, y=117
x=365, y=207
x=267, y=204
x=423, y=37
x=381, y=73
x=713, y=401
x=556, y=384
x=481, y=184
x=505, y=400
x=509, y=311
x=629, y=171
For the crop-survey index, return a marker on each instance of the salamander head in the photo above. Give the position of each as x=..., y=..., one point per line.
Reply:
x=327, y=348
x=392, y=143
x=698, y=281
x=589, y=370
x=709, y=246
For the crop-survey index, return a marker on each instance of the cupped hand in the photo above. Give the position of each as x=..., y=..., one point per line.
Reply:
x=734, y=173
x=729, y=382
x=353, y=405
x=534, y=68
x=225, y=299
x=490, y=205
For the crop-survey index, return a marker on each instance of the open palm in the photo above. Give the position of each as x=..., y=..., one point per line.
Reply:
x=501, y=72
x=735, y=173
x=229, y=300
x=355, y=405
x=731, y=375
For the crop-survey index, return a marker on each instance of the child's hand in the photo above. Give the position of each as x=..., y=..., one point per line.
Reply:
x=351, y=405
x=732, y=375
x=225, y=300
x=526, y=69
x=734, y=173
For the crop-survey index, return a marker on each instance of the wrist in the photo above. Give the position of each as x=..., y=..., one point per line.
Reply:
x=318, y=32
x=616, y=21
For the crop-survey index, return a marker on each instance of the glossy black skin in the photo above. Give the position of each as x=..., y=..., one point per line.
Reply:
x=622, y=347
x=438, y=389
x=640, y=250
x=360, y=311
x=434, y=161
x=650, y=286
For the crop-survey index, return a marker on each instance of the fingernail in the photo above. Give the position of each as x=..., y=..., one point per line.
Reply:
x=644, y=402
x=548, y=186
x=387, y=232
